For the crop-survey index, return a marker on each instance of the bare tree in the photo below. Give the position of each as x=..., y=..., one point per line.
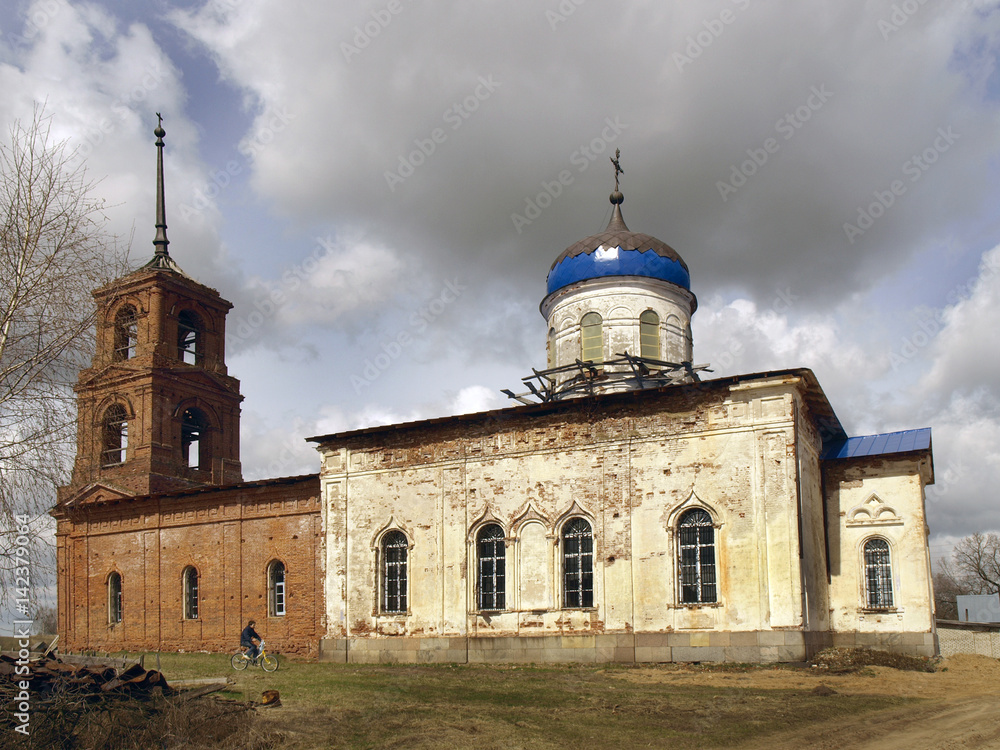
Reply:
x=947, y=587
x=977, y=563
x=54, y=250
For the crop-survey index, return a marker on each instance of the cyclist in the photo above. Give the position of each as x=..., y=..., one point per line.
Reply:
x=250, y=640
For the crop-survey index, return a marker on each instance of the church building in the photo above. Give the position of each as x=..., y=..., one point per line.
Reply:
x=625, y=510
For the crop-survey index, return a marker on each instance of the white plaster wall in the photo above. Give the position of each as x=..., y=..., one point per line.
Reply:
x=630, y=478
x=897, y=515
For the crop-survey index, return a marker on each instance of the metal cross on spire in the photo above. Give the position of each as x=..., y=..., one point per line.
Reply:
x=618, y=167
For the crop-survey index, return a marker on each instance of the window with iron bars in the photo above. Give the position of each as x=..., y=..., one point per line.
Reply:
x=394, y=553
x=578, y=564
x=878, y=574
x=697, y=558
x=492, y=551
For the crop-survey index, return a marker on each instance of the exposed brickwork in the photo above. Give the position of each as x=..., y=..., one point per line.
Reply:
x=230, y=535
x=154, y=386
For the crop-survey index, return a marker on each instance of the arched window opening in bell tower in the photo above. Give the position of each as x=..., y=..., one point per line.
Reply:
x=190, y=333
x=194, y=439
x=649, y=335
x=592, y=338
x=126, y=334
x=114, y=437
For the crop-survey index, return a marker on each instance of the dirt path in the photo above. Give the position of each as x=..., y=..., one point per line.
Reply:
x=959, y=708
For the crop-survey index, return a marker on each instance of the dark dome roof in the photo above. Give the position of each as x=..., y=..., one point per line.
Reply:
x=618, y=251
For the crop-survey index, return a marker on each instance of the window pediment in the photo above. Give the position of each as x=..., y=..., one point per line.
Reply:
x=873, y=512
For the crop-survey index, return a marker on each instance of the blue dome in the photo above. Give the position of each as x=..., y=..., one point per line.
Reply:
x=617, y=251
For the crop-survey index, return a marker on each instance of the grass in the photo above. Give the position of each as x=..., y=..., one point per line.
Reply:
x=509, y=707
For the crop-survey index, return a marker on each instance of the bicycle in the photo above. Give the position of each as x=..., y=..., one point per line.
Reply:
x=268, y=662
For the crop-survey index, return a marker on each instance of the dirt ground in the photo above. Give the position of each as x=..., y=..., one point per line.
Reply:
x=959, y=706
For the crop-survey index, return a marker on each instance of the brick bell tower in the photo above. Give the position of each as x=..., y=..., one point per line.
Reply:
x=158, y=411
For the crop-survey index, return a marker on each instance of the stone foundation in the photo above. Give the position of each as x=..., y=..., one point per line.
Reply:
x=745, y=647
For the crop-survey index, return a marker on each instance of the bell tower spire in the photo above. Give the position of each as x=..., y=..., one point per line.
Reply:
x=161, y=257
x=160, y=241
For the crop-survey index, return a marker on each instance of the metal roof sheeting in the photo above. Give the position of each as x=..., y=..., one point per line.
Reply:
x=879, y=445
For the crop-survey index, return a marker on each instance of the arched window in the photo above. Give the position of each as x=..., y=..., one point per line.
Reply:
x=697, y=558
x=394, y=553
x=114, y=598
x=578, y=564
x=878, y=574
x=649, y=335
x=190, y=577
x=276, y=589
x=126, y=334
x=194, y=439
x=492, y=552
x=591, y=339
x=114, y=437
x=551, y=348
x=189, y=337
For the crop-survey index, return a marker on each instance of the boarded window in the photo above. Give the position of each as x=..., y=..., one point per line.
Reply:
x=394, y=553
x=591, y=338
x=697, y=558
x=578, y=564
x=878, y=574
x=649, y=335
x=492, y=552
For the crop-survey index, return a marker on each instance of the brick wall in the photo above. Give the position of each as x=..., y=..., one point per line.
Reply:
x=229, y=535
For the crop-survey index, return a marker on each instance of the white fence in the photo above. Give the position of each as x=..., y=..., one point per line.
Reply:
x=969, y=638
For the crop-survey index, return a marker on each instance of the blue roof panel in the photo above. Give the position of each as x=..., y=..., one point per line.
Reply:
x=879, y=445
x=617, y=262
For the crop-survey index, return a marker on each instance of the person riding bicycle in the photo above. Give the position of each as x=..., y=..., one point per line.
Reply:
x=250, y=640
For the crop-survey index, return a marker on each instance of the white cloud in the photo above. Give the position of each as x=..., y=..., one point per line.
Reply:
x=966, y=351
x=780, y=283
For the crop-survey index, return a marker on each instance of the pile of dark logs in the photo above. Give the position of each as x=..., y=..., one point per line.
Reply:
x=53, y=675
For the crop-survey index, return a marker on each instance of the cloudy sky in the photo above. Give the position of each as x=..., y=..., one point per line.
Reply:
x=347, y=173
